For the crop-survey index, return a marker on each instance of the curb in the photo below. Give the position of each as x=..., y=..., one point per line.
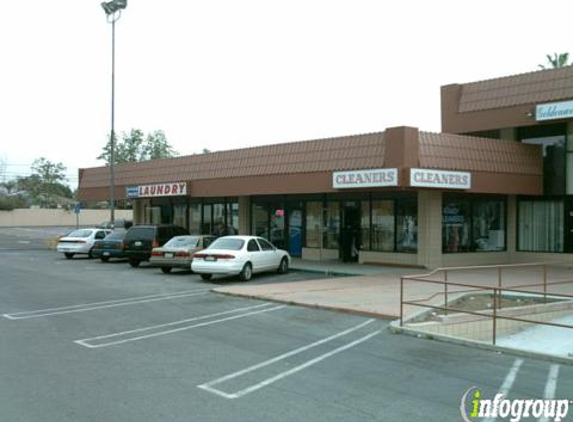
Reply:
x=326, y=272
x=395, y=328
x=368, y=314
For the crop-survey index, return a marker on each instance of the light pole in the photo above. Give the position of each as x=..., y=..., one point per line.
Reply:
x=112, y=11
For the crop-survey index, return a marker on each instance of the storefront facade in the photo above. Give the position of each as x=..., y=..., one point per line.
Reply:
x=495, y=187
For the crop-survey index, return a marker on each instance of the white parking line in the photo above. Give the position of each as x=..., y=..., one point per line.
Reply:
x=209, y=385
x=102, y=305
x=508, y=383
x=285, y=374
x=550, y=387
x=87, y=342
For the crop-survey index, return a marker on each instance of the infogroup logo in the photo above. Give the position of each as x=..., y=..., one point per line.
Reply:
x=473, y=407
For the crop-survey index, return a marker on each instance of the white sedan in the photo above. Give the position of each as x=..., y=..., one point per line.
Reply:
x=239, y=255
x=80, y=242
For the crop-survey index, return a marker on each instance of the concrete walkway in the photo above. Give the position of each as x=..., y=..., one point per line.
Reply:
x=375, y=290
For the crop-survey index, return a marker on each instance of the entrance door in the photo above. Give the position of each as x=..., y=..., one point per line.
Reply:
x=295, y=231
x=568, y=241
x=350, y=231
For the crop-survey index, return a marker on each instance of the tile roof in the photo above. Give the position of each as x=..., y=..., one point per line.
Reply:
x=465, y=153
x=528, y=88
x=322, y=155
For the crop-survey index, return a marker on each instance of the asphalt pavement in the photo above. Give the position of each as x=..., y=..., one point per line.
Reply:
x=89, y=341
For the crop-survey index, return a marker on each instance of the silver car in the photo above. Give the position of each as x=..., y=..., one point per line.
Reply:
x=178, y=252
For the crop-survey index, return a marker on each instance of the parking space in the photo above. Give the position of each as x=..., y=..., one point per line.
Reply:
x=84, y=340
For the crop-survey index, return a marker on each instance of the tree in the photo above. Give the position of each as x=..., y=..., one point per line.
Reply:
x=46, y=184
x=558, y=60
x=157, y=146
x=135, y=146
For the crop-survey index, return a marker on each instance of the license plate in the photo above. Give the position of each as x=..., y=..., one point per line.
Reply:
x=169, y=255
x=106, y=254
x=210, y=258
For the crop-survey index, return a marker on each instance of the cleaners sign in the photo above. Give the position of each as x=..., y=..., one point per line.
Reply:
x=160, y=189
x=427, y=178
x=364, y=178
x=552, y=111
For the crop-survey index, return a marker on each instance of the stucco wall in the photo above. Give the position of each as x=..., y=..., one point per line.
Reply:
x=57, y=217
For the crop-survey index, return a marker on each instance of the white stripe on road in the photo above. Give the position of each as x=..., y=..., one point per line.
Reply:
x=508, y=383
x=208, y=386
x=102, y=305
x=268, y=381
x=550, y=387
x=86, y=342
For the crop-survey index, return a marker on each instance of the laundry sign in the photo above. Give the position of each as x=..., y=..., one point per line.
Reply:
x=159, y=189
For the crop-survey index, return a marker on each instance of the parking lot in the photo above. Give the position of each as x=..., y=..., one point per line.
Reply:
x=88, y=341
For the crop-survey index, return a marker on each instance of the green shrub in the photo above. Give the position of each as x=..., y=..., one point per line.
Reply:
x=10, y=203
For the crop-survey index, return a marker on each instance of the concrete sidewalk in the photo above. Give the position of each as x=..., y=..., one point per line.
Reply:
x=366, y=295
x=375, y=290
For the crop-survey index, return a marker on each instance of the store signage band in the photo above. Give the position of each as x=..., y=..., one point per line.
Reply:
x=428, y=178
x=553, y=111
x=364, y=178
x=159, y=189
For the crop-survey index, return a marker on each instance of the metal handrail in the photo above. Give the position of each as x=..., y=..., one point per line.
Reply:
x=497, y=292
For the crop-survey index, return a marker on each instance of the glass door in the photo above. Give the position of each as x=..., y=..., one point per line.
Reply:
x=295, y=230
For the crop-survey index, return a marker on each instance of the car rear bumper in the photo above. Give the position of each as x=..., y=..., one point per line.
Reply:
x=166, y=262
x=139, y=255
x=217, y=267
x=73, y=248
x=111, y=253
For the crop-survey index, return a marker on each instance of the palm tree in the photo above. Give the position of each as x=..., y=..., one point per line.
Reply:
x=558, y=60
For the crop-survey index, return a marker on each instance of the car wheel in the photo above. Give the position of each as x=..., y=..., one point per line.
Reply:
x=166, y=270
x=283, y=266
x=246, y=272
x=104, y=258
x=69, y=255
x=90, y=254
x=206, y=276
x=134, y=263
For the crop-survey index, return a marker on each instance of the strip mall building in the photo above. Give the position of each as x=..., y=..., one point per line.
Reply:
x=495, y=187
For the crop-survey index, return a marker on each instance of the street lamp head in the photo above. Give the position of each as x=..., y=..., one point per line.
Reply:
x=113, y=6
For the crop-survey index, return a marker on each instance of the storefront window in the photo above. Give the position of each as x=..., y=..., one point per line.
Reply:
x=195, y=218
x=260, y=221
x=219, y=228
x=153, y=215
x=365, y=225
x=473, y=225
x=207, y=226
x=313, y=211
x=233, y=218
x=540, y=226
x=383, y=225
x=407, y=226
x=278, y=226
x=331, y=225
x=488, y=225
x=456, y=226
x=179, y=215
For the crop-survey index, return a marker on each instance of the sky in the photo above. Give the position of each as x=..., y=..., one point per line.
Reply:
x=224, y=74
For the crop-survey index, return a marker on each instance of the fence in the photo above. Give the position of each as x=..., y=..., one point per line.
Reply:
x=447, y=287
x=57, y=217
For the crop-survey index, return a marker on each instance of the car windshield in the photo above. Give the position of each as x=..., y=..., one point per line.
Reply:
x=182, y=242
x=230, y=244
x=80, y=233
x=115, y=236
x=140, y=233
